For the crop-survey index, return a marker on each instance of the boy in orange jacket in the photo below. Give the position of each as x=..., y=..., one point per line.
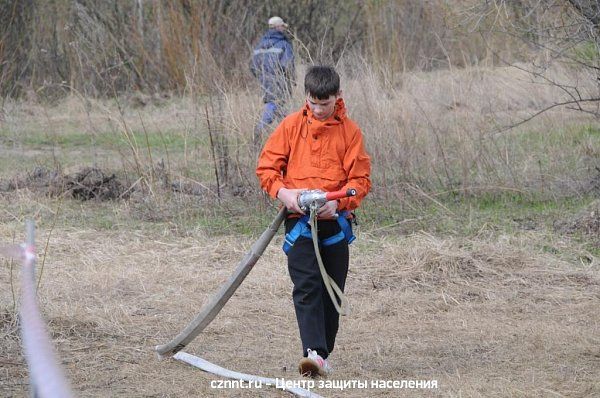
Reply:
x=318, y=147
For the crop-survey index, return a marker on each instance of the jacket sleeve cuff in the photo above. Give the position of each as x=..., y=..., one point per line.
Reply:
x=277, y=185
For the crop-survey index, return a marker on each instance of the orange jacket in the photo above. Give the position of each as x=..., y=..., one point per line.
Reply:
x=304, y=152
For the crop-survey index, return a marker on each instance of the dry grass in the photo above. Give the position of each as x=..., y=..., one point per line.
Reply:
x=483, y=316
x=448, y=129
x=443, y=130
x=486, y=315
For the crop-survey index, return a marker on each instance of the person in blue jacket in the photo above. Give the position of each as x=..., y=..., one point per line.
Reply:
x=273, y=65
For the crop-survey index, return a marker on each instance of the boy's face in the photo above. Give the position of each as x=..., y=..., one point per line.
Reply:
x=322, y=108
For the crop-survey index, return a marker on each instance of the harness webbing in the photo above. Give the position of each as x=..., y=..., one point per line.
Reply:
x=303, y=229
x=342, y=307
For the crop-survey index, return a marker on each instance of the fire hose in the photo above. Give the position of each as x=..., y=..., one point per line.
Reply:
x=47, y=379
x=306, y=200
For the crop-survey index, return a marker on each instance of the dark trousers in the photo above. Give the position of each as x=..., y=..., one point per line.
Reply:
x=317, y=318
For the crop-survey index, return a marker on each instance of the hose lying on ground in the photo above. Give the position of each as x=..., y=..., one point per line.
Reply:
x=46, y=376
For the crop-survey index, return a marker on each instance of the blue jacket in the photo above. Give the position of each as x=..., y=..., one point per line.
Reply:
x=273, y=64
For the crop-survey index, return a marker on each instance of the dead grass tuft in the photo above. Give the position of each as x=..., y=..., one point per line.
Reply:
x=88, y=184
x=429, y=259
x=586, y=222
x=39, y=179
x=91, y=183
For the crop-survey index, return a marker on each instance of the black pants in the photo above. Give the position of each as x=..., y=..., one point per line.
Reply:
x=318, y=319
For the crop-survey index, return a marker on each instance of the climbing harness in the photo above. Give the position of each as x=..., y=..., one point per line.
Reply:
x=303, y=229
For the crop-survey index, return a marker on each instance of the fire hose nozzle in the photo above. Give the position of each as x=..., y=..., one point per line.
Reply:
x=318, y=198
x=341, y=194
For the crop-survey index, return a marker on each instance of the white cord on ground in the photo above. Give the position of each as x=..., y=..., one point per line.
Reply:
x=230, y=374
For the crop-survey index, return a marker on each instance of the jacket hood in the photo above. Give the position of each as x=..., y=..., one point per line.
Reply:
x=270, y=37
x=338, y=116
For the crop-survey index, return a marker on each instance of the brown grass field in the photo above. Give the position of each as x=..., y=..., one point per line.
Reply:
x=491, y=313
x=483, y=317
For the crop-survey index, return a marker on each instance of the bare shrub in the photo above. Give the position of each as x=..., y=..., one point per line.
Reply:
x=99, y=49
x=557, y=31
x=449, y=130
x=444, y=131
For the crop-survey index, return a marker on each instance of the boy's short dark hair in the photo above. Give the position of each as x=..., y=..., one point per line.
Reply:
x=321, y=82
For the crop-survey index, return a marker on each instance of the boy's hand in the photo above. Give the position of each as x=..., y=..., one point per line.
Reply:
x=289, y=197
x=328, y=210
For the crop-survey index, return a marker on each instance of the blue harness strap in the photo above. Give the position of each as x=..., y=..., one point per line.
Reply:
x=303, y=229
